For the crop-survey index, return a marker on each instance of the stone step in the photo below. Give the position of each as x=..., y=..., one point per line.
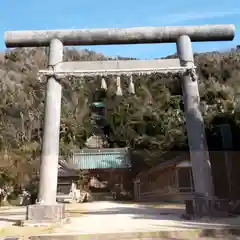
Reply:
x=164, y=234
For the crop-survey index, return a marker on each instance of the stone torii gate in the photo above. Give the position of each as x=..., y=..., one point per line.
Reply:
x=47, y=208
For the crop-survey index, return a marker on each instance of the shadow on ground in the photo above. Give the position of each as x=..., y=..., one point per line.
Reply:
x=172, y=214
x=9, y=220
x=11, y=216
x=145, y=212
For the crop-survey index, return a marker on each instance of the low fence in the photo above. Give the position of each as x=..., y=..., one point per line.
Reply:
x=165, y=194
x=172, y=182
x=215, y=207
x=195, y=206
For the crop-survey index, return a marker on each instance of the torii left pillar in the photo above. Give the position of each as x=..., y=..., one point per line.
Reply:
x=46, y=207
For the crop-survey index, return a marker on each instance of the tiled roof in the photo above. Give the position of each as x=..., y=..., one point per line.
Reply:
x=62, y=172
x=101, y=158
x=179, y=157
x=65, y=169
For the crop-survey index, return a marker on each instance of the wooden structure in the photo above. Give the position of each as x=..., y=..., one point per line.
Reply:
x=171, y=180
x=105, y=168
x=66, y=177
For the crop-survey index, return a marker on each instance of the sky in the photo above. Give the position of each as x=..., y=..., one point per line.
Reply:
x=79, y=14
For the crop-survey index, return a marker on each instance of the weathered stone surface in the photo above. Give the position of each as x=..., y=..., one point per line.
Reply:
x=9, y=238
x=45, y=212
x=196, y=234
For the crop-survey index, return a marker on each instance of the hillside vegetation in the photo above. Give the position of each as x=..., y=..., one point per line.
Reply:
x=150, y=122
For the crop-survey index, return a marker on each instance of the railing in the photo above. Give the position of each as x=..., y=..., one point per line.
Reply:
x=212, y=207
x=195, y=205
x=183, y=192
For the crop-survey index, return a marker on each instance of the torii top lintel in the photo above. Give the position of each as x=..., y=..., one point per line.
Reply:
x=110, y=36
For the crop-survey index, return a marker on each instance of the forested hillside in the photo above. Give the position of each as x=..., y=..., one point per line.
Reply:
x=149, y=122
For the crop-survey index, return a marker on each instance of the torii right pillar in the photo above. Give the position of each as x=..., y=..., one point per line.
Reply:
x=201, y=166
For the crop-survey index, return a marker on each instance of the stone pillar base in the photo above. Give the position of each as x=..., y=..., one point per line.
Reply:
x=40, y=212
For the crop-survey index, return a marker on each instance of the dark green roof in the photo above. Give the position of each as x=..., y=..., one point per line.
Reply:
x=101, y=158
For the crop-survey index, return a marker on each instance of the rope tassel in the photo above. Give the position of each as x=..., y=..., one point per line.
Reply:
x=119, y=89
x=131, y=87
x=103, y=84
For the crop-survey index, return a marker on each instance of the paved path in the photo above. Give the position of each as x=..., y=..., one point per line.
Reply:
x=106, y=217
x=10, y=215
x=113, y=217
